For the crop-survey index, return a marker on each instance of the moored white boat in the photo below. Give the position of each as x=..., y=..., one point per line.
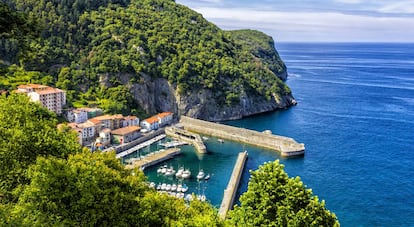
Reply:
x=186, y=174
x=200, y=175
x=184, y=188
x=173, y=187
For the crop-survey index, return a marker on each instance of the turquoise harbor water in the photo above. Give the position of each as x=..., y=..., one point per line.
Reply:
x=356, y=118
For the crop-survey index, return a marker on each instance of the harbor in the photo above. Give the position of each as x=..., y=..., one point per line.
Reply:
x=184, y=135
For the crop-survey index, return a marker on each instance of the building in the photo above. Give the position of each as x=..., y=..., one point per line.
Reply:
x=157, y=121
x=110, y=121
x=77, y=116
x=125, y=135
x=52, y=98
x=151, y=123
x=130, y=121
x=81, y=115
x=104, y=138
x=164, y=118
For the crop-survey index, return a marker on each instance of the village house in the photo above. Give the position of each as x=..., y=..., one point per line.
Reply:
x=130, y=121
x=156, y=121
x=51, y=98
x=77, y=115
x=81, y=115
x=104, y=138
x=125, y=135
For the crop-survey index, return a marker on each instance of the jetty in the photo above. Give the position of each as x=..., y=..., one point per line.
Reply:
x=231, y=190
x=187, y=136
x=154, y=158
x=140, y=146
x=285, y=145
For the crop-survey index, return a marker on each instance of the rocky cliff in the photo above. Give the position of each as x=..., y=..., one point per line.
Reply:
x=157, y=95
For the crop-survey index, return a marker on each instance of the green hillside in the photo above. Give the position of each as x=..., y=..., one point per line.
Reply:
x=83, y=42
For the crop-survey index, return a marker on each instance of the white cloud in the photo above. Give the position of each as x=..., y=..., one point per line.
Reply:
x=314, y=26
x=349, y=1
x=398, y=7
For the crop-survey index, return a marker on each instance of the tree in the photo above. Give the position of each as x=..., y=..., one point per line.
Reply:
x=27, y=131
x=94, y=189
x=274, y=199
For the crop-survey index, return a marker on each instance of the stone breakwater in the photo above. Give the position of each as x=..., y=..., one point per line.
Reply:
x=285, y=145
x=233, y=185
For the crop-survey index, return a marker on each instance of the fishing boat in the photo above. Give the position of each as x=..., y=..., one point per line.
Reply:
x=200, y=175
x=207, y=177
x=179, y=188
x=163, y=186
x=158, y=187
x=168, y=187
x=220, y=140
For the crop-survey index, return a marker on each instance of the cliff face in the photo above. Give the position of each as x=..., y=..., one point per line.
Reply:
x=158, y=95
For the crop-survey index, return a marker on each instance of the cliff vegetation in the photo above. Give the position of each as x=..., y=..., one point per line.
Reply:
x=86, y=47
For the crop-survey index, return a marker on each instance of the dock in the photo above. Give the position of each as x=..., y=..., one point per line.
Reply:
x=140, y=146
x=285, y=145
x=191, y=138
x=173, y=144
x=154, y=158
x=231, y=190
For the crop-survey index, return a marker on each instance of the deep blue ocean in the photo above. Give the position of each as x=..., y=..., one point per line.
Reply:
x=355, y=114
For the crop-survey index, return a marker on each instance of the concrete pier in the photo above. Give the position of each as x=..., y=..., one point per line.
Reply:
x=285, y=145
x=155, y=158
x=187, y=136
x=140, y=146
x=231, y=190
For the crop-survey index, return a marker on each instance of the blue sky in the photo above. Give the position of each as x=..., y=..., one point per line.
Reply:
x=314, y=21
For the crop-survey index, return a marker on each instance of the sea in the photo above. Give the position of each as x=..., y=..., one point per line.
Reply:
x=355, y=115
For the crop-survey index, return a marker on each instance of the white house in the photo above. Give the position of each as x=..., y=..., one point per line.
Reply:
x=77, y=115
x=164, y=118
x=151, y=123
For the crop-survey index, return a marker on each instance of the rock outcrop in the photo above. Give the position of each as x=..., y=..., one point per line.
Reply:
x=158, y=95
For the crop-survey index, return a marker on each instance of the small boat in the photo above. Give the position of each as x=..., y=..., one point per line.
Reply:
x=186, y=174
x=168, y=187
x=179, y=188
x=179, y=172
x=200, y=175
x=220, y=140
x=205, y=138
x=170, y=171
x=152, y=185
x=207, y=177
x=184, y=188
x=158, y=187
x=163, y=186
x=188, y=197
x=173, y=187
x=202, y=198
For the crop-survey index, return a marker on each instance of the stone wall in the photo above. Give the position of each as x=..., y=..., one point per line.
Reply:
x=283, y=144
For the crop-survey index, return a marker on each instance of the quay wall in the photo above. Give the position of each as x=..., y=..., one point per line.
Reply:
x=188, y=137
x=155, y=158
x=287, y=146
x=231, y=190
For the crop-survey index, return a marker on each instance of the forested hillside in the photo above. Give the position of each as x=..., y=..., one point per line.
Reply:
x=88, y=46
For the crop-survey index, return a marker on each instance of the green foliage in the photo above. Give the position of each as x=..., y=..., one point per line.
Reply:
x=86, y=40
x=27, y=131
x=274, y=199
x=94, y=189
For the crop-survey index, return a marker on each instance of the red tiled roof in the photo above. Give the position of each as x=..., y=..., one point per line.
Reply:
x=95, y=121
x=152, y=120
x=125, y=130
x=164, y=114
